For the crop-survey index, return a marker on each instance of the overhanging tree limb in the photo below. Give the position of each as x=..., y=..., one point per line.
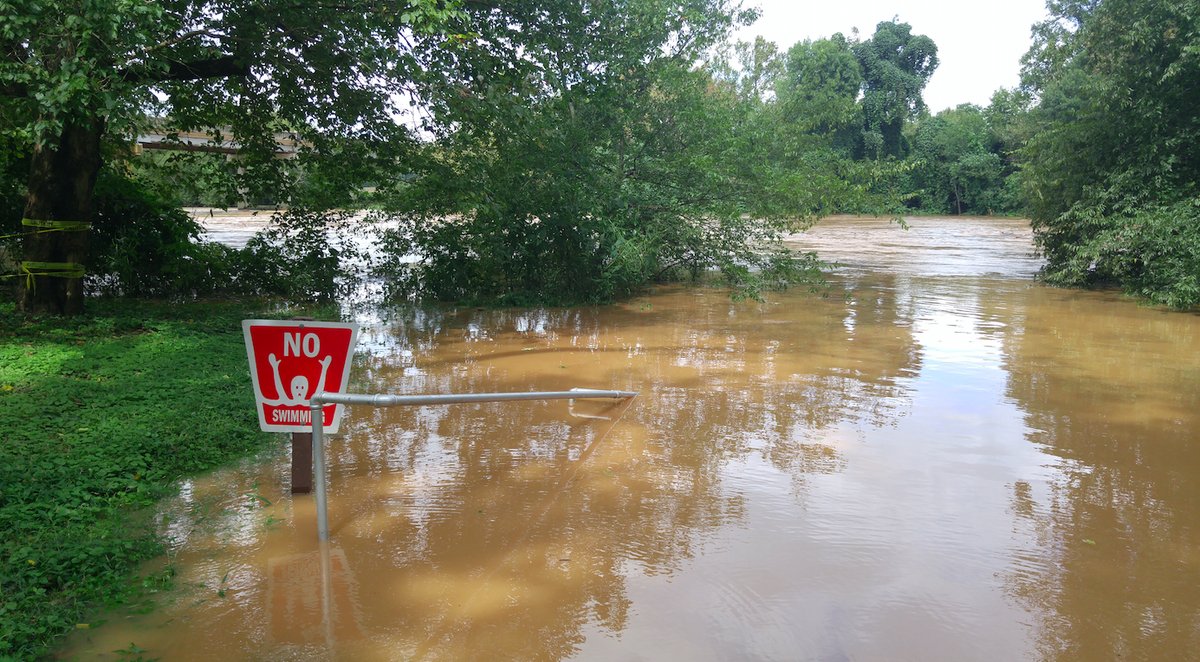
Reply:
x=182, y=38
x=221, y=67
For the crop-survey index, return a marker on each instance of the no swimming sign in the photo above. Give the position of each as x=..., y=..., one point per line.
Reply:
x=290, y=362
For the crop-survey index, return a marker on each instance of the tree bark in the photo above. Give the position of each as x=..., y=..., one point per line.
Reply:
x=62, y=178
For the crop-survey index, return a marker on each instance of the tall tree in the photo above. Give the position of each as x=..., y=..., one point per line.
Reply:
x=760, y=68
x=1112, y=169
x=1008, y=123
x=601, y=157
x=77, y=71
x=955, y=168
x=820, y=87
x=896, y=65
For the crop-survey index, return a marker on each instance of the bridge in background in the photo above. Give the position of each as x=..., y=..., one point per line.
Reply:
x=287, y=146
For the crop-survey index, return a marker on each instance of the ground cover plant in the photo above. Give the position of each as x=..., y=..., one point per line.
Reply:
x=101, y=414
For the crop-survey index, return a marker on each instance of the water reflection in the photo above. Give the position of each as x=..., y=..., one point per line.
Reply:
x=939, y=459
x=1112, y=393
x=312, y=599
x=469, y=527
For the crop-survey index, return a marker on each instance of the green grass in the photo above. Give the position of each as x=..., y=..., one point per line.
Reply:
x=100, y=416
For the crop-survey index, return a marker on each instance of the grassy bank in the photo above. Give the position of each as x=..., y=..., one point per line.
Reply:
x=99, y=416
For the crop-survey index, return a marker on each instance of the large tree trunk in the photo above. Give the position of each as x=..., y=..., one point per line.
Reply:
x=61, y=181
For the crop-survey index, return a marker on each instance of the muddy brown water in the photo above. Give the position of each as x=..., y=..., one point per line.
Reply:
x=938, y=460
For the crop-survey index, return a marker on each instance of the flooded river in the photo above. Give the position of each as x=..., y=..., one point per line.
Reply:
x=939, y=459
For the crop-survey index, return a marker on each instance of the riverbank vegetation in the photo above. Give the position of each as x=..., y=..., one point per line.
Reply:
x=569, y=152
x=103, y=414
x=1112, y=163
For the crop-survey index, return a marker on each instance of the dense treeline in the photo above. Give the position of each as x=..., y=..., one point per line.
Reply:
x=573, y=151
x=1113, y=158
x=864, y=98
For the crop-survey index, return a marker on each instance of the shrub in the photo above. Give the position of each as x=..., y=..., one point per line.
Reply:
x=143, y=246
x=1153, y=252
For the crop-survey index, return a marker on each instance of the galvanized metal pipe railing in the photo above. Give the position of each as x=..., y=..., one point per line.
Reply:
x=318, y=402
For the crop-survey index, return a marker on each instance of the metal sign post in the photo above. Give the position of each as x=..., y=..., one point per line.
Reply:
x=385, y=400
x=290, y=361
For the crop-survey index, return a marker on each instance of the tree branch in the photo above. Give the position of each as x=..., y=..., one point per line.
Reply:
x=14, y=53
x=228, y=66
x=180, y=39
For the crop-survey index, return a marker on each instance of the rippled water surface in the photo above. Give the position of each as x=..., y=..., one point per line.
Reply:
x=938, y=460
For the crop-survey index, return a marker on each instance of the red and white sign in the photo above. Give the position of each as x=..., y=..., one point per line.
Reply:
x=290, y=362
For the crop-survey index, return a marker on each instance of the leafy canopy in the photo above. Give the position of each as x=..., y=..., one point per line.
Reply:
x=582, y=153
x=896, y=65
x=1111, y=169
x=242, y=69
x=958, y=165
x=820, y=88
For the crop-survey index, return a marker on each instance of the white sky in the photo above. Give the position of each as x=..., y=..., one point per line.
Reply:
x=980, y=42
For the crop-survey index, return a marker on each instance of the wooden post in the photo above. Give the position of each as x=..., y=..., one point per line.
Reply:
x=302, y=461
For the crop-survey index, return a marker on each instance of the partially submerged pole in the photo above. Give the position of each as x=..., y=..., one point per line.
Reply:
x=318, y=402
x=318, y=455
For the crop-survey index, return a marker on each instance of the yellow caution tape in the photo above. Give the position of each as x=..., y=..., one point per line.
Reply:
x=49, y=226
x=51, y=270
x=58, y=226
